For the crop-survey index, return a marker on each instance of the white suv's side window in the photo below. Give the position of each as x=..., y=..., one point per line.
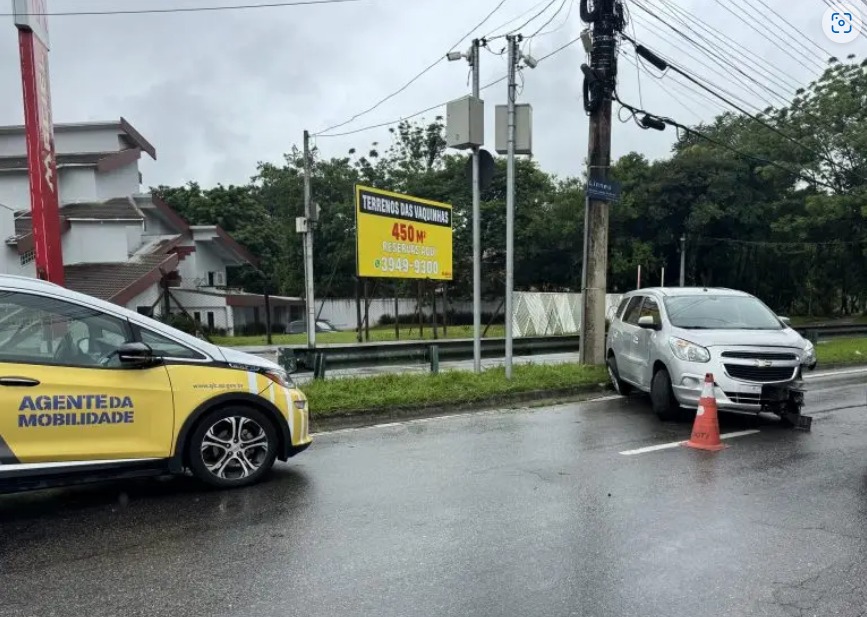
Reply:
x=633, y=310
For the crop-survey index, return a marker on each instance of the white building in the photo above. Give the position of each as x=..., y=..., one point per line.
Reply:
x=120, y=244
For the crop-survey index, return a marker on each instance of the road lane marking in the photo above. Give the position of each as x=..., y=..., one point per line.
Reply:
x=675, y=444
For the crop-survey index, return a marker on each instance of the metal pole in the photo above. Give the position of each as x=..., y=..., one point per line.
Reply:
x=683, y=261
x=308, y=248
x=396, y=314
x=512, y=41
x=477, y=233
x=638, y=284
x=268, y=339
x=358, y=307
x=662, y=278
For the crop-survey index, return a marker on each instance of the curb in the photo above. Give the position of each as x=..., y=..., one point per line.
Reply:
x=369, y=417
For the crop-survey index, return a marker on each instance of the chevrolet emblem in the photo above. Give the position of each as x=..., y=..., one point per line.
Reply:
x=764, y=363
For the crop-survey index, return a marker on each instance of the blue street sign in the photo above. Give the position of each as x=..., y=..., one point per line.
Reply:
x=603, y=190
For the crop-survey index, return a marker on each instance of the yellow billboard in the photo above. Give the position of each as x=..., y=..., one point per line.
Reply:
x=398, y=236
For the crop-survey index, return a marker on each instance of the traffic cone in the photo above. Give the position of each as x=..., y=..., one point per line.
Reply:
x=705, y=431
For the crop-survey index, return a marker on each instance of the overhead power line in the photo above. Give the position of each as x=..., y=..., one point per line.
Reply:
x=767, y=33
x=794, y=28
x=742, y=78
x=726, y=49
x=414, y=79
x=732, y=46
x=192, y=9
x=526, y=23
x=550, y=19
x=741, y=153
x=767, y=125
x=562, y=25
x=439, y=105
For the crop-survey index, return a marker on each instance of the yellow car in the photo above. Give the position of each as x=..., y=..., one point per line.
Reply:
x=91, y=390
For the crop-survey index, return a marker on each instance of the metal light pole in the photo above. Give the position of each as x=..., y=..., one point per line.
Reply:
x=308, y=249
x=683, y=261
x=473, y=57
x=512, y=42
x=477, y=225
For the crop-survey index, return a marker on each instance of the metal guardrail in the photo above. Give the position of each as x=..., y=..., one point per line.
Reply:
x=432, y=352
x=818, y=332
x=421, y=352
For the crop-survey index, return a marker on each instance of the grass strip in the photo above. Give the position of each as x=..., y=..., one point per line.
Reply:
x=344, y=395
x=378, y=334
x=842, y=352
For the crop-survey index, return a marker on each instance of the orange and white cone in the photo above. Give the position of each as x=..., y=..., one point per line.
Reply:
x=705, y=431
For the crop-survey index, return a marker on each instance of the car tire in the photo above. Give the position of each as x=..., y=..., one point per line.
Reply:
x=233, y=447
x=620, y=386
x=665, y=406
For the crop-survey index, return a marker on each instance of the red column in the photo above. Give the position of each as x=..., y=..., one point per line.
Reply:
x=44, y=202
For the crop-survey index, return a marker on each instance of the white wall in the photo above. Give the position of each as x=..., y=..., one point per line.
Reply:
x=146, y=298
x=15, y=190
x=133, y=238
x=86, y=140
x=118, y=182
x=188, y=271
x=13, y=145
x=77, y=184
x=153, y=224
x=207, y=260
x=197, y=265
x=95, y=243
x=11, y=263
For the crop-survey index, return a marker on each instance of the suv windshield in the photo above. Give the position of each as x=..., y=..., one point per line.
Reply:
x=707, y=312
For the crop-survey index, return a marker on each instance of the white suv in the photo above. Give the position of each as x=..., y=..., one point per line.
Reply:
x=664, y=341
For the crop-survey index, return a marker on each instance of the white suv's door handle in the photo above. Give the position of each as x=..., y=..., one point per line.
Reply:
x=635, y=339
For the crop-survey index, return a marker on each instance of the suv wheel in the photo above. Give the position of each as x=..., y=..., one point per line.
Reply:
x=662, y=397
x=233, y=447
x=620, y=386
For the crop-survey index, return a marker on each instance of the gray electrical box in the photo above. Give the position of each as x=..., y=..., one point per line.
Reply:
x=465, y=123
x=523, y=129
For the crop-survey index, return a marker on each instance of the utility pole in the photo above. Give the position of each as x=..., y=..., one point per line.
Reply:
x=308, y=248
x=683, y=261
x=477, y=225
x=512, y=41
x=600, y=78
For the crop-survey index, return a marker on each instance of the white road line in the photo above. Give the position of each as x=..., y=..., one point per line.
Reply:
x=675, y=444
x=469, y=414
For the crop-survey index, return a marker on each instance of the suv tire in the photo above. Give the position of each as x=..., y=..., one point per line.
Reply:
x=620, y=386
x=665, y=406
x=233, y=447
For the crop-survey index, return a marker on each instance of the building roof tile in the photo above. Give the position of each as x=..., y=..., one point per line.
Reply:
x=114, y=281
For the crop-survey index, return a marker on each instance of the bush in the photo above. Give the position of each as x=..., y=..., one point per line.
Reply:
x=258, y=329
x=182, y=322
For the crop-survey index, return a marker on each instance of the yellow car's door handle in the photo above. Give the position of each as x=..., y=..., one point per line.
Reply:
x=21, y=382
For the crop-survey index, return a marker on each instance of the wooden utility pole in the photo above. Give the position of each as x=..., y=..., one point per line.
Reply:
x=600, y=79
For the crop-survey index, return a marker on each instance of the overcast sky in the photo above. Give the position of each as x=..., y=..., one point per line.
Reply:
x=218, y=92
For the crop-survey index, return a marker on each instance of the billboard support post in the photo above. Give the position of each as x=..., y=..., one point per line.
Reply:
x=32, y=23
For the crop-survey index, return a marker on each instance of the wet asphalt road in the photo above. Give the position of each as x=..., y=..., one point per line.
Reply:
x=526, y=512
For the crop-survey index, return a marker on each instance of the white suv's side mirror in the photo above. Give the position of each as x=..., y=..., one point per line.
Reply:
x=786, y=321
x=647, y=322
